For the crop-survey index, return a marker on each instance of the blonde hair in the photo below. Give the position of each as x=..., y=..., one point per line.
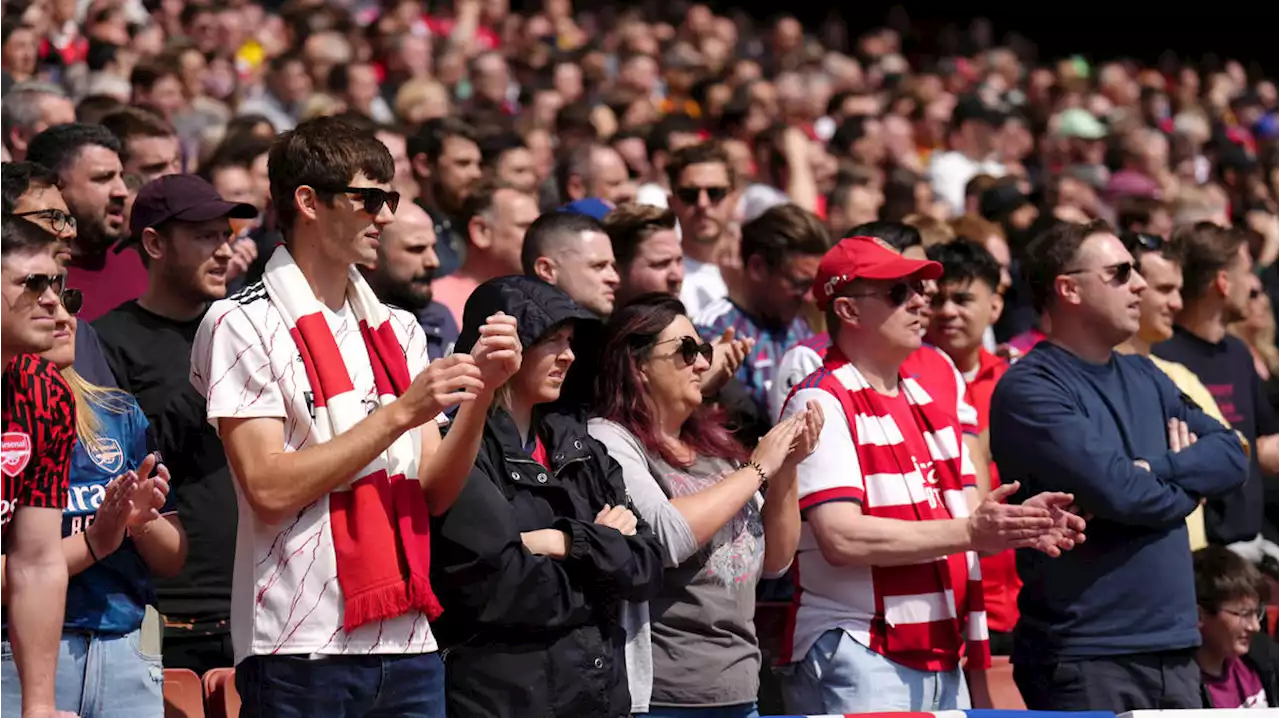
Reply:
x=90, y=399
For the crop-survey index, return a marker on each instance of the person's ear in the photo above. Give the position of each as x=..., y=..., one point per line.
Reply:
x=1066, y=289
x=544, y=268
x=307, y=201
x=421, y=166
x=152, y=245
x=997, y=306
x=757, y=270
x=479, y=233
x=845, y=309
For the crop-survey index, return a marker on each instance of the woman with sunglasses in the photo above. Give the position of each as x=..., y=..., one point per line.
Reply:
x=698, y=654
x=534, y=558
x=117, y=535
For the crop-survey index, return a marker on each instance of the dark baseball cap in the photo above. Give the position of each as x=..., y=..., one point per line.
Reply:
x=185, y=198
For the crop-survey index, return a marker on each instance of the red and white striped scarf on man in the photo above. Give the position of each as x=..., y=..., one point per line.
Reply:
x=943, y=595
x=379, y=521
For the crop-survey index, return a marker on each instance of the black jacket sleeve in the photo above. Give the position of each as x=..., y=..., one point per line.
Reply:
x=631, y=566
x=480, y=565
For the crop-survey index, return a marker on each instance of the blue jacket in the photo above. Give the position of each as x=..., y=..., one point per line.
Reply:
x=1059, y=423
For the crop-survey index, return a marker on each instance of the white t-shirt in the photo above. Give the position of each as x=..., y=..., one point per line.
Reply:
x=703, y=284
x=950, y=171
x=285, y=597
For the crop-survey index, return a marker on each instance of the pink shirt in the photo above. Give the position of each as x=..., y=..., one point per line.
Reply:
x=121, y=279
x=452, y=291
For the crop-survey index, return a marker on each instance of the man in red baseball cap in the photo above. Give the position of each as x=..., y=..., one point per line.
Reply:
x=893, y=523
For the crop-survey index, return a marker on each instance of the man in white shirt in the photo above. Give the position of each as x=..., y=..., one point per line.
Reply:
x=704, y=200
x=970, y=138
x=330, y=599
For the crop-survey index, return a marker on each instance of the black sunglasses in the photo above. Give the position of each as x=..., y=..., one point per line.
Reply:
x=690, y=349
x=59, y=221
x=38, y=284
x=72, y=300
x=898, y=294
x=374, y=198
x=1121, y=271
x=691, y=195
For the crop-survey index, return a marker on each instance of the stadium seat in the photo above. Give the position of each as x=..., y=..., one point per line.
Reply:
x=1004, y=692
x=183, y=694
x=221, y=700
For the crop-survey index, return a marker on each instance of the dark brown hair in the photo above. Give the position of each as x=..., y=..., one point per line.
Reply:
x=781, y=231
x=701, y=153
x=629, y=225
x=1051, y=253
x=130, y=122
x=1222, y=577
x=326, y=154
x=1206, y=249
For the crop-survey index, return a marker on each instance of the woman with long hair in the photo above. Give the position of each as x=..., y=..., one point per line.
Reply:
x=118, y=533
x=699, y=489
x=534, y=559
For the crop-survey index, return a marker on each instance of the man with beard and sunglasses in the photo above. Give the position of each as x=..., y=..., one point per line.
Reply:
x=86, y=159
x=890, y=592
x=1215, y=274
x=1112, y=625
x=39, y=434
x=181, y=227
x=403, y=274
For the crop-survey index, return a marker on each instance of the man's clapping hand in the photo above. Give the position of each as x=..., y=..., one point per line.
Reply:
x=497, y=352
x=443, y=384
x=1042, y=523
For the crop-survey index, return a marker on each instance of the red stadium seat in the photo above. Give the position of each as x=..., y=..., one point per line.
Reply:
x=183, y=694
x=221, y=700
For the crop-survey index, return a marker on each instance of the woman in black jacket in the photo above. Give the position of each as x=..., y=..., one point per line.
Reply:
x=536, y=555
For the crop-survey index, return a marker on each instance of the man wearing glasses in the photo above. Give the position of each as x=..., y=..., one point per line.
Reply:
x=890, y=587
x=31, y=192
x=180, y=226
x=1112, y=625
x=703, y=197
x=35, y=456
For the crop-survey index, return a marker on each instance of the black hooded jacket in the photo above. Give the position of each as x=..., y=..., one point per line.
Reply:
x=525, y=635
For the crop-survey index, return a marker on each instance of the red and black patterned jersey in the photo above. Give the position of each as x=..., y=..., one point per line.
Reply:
x=39, y=434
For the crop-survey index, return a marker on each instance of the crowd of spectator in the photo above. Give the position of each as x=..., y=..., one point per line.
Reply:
x=448, y=360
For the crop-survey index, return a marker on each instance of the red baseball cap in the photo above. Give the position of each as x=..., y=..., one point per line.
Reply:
x=865, y=258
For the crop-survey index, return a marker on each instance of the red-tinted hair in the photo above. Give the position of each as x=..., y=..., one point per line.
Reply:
x=620, y=396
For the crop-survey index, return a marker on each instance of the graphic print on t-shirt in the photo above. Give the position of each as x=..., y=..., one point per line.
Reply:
x=15, y=452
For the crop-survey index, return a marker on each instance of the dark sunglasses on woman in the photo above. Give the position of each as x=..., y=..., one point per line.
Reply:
x=690, y=349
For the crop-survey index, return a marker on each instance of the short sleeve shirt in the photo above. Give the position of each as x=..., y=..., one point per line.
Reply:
x=247, y=366
x=39, y=434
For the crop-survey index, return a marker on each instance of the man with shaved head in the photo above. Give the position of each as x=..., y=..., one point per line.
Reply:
x=407, y=264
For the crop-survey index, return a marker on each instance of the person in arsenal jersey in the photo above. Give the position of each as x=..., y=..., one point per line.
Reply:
x=39, y=433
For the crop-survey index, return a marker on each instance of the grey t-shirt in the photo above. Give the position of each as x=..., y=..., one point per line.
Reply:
x=702, y=625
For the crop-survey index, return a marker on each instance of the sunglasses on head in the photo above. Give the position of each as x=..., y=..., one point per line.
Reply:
x=1144, y=241
x=691, y=195
x=1121, y=272
x=58, y=220
x=72, y=300
x=898, y=294
x=38, y=284
x=374, y=198
x=690, y=348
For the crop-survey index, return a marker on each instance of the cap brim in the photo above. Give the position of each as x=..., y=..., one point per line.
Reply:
x=904, y=267
x=216, y=209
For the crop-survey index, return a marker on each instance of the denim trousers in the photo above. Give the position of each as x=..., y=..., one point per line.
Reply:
x=839, y=675
x=99, y=676
x=372, y=686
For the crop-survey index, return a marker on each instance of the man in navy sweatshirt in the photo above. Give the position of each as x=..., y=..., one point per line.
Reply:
x=1112, y=625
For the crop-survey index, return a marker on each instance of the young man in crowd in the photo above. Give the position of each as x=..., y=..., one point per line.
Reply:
x=39, y=434
x=1237, y=658
x=496, y=217
x=1215, y=292
x=86, y=159
x=1110, y=625
x=404, y=272
x=647, y=250
x=965, y=306
x=149, y=146
x=1161, y=267
x=780, y=253
x=446, y=163
x=703, y=198
x=327, y=409
x=890, y=591
x=31, y=192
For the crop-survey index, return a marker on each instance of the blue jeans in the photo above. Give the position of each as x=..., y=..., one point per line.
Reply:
x=745, y=710
x=840, y=675
x=377, y=686
x=99, y=676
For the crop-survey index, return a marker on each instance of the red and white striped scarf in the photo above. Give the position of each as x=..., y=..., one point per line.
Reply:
x=938, y=629
x=379, y=521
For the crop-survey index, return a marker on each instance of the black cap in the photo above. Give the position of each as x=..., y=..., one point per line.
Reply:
x=186, y=198
x=537, y=307
x=1000, y=200
x=971, y=107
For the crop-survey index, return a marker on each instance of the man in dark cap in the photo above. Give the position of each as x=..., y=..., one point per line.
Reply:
x=181, y=227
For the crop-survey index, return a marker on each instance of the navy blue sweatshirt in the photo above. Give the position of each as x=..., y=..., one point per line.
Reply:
x=1059, y=423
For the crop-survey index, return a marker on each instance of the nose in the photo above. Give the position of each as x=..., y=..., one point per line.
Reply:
x=384, y=216
x=611, y=278
x=567, y=356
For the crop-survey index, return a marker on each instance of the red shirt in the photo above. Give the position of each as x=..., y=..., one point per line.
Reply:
x=121, y=279
x=39, y=434
x=1000, y=582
